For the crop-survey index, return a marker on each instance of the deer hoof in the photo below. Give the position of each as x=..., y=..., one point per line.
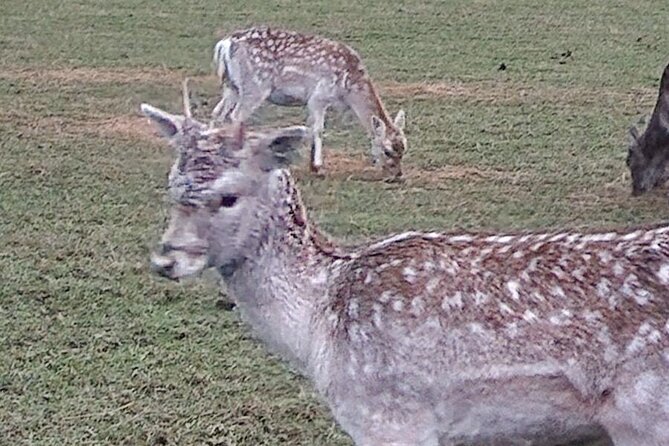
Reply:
x=317, y=171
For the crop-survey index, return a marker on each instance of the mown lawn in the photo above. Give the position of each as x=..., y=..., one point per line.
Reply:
x=94, y=350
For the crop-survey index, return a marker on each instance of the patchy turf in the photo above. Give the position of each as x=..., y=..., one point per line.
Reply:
x=97, y=351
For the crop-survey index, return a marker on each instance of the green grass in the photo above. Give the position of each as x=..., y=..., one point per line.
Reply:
x=94, y=350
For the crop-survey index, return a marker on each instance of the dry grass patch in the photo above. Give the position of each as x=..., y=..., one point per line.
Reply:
x=513, y=93
x=494, y=92
x=345, y=167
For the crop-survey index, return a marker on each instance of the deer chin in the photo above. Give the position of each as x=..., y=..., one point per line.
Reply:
x=393, y=171
x=178, y=264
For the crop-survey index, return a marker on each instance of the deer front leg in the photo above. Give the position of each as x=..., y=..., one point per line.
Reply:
x=317, y=108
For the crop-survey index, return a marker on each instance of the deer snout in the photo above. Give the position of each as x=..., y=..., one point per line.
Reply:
x=176, y=262
x=163, y=266
x=393, y=170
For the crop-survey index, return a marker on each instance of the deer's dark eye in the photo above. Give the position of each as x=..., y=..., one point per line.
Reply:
x=223, y=201
x=228, y=201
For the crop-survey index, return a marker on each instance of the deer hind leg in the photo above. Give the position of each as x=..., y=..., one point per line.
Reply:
x=374, y=423
x=317, y=108
x=248, y=101
x=637, y=413
x=225, y=106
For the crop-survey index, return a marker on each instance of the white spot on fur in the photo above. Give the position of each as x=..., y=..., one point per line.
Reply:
x=417, y=306
x=558, y=292
x=393, y=239
x=460, y=238
x=499, y=238
x=512, y=329
x=618, y=269
x=429, y=266
x=529, y=316
x=376, y=315
x=561, y=318
x=514, y=289
x=632, y=235
x=573, y=238
x=663, y=274
x=641, y=339
x=368, y=278
x=604, y=288
x=451, y=302
x=538, y=297
x=604, y=237
x=398, y=305
x=353, y=308
x=385, y=297
x=536, y=246
x=409, y=274
x=504, y=308
x=557, y=237
x=432, y=285
x=480, y=298
x=505, y=249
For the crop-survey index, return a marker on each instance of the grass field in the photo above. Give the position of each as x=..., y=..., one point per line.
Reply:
x=94, y=350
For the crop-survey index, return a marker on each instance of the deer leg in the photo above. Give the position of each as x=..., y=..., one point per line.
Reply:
x=638, y=411
x=317, y=109
x=248, y=101
x=222, y=110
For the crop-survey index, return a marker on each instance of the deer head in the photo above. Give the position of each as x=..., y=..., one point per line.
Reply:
x=222, y=186
x=389, y=144
x=648, y=152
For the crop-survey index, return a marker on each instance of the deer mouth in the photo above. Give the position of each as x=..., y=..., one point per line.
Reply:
x=177, y=263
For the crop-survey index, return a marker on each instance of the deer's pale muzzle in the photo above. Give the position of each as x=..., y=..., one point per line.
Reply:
x=174, y=262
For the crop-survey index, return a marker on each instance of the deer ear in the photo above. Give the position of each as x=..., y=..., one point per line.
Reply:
x=664, y=111
x=168, y=124
x=238, y=136
x=378, y=128
x=280, y=147
x=634, y=134
x=400, y=120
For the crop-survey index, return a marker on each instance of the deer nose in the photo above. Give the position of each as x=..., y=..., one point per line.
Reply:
x=161, y=264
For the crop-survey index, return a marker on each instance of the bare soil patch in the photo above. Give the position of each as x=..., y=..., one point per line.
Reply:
x=92, y=75
x=507, y=92
x=130, y=126
x=338, y=164
x=502, y=92
x=346, y=167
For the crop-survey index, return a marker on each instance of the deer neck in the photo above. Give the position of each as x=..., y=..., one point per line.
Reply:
x=278, y=287
x=365, y=103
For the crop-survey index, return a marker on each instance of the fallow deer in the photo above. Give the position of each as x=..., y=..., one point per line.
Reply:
x=428, y=338
x=648, y=153
x=291, y=69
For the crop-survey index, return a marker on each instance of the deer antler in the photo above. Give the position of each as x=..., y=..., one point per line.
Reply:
x=186, y=99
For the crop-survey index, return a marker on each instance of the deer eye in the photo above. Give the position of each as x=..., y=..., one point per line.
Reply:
x=228, y=201
x=223, y=201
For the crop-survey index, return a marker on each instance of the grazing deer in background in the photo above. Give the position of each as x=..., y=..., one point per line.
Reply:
x=428, y=338
x=648, y=153
x=291, y=69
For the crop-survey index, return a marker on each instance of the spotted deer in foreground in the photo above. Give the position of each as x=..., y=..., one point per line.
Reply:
x=428, y=338
x=648, y=153
x=292, y=69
